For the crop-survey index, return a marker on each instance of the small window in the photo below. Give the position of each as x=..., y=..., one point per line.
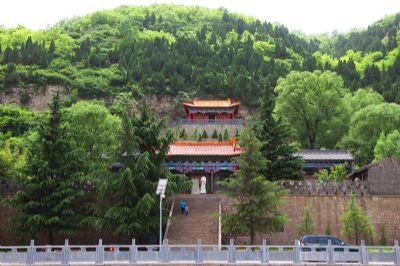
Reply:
x=337, y=242
x=323, y=240
x=311, y=240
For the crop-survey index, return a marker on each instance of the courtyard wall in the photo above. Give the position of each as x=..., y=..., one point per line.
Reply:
x=326, y=209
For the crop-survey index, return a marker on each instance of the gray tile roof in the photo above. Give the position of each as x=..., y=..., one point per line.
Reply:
x=325, y=155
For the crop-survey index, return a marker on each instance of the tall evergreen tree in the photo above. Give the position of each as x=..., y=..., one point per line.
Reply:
x=256, y=198
x=127, y=204
x=355, y=223
x=306, y=225
x=47, y=196
x=275, y=136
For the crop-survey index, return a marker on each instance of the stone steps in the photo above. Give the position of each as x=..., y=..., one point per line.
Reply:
x=201, y=223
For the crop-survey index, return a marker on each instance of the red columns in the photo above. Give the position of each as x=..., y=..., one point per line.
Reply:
x=233, y=116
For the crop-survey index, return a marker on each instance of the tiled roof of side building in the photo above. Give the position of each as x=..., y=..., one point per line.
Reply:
x=325, y=155
x=204, y=148
x=212, y=103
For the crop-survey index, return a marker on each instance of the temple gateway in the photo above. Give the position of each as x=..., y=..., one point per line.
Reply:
x=210, y=159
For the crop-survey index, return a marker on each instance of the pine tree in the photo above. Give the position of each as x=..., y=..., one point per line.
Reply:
x=195, y=135
x=355, y=223
x=204, y=135
x=52, y=49
x=275, y=136
x=46, y=200
x=226, y=135
x=215, y=134
x=382, y=240
x=126, y=205
x=256, y=198
x=183, y=134
x=306, y=225
x=328, y=230
x=219, y=137
x=11, y=76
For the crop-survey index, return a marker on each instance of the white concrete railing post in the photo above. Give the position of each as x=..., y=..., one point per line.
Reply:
x=329, y=253
x=132, y=252
x=396, y=252
x=296, y=259
x=29, y=253
x=231, y=252
x=65, y=255
x=364, y=253
x=199, y=252
x=164, y=256
x=265, y=253
x=99, y=253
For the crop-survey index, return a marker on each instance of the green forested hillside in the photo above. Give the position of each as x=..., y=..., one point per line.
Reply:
x=164, y=49
x=192, y=51
x=160, y=49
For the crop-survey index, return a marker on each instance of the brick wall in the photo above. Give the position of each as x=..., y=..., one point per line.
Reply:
x=327, y=209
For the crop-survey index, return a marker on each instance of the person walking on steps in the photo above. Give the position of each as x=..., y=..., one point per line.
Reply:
x=187, y=210
x=183, y=206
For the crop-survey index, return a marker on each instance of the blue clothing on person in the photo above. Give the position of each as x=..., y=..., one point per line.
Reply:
x=183, y=206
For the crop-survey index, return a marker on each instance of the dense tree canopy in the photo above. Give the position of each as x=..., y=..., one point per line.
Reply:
x=388, y=146
x=367, y=125
x=312, y=104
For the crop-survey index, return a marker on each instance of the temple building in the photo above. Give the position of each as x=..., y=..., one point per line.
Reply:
x=209, y=111
x=315, y=160
x=210, y=159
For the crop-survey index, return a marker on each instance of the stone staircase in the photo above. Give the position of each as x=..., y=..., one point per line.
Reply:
x=201, y=223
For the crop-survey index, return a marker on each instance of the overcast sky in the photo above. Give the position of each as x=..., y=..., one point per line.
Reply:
x=308, y=16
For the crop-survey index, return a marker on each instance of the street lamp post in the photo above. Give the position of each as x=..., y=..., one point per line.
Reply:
x=162, y=185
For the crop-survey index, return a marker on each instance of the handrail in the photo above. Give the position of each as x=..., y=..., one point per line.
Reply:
x=197, y=253
x=236, y=121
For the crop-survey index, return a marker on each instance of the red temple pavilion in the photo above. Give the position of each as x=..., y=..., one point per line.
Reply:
x=209, y=159
x=209, y=111
x=205, y=158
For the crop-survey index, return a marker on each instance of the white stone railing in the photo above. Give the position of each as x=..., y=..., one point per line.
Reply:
x=197, y=254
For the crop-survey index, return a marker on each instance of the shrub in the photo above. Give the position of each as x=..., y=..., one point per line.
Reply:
x=24, y=98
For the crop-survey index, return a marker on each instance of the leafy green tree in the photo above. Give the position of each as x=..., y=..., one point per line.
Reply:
x=337, y=172
x=322, y=175
x=256, y=199
x=46, y=200
x=12, y=160
x=361, y=99
x=388, y=146
x=355, y=223
x=15, y=120
x=306, y=226
x=366, y=126
x=275, y=136
x=312, y=104
x=95, y=131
